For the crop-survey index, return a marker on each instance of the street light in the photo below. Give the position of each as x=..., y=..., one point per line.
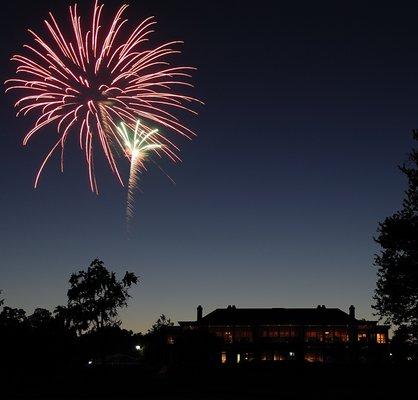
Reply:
x=138, y=347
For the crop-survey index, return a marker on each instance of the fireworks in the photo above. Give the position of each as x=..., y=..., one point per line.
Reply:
x=88, y=81
x=137, y=147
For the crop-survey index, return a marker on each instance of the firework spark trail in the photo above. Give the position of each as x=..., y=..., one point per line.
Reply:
x=96, y=78
x=133, y=179
x=137, y=144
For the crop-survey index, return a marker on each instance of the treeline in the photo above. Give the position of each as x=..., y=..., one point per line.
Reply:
x=84, y=332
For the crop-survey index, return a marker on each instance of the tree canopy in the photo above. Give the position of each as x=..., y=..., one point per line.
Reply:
x=94, y=297
x=161, y=323
x=396, y=294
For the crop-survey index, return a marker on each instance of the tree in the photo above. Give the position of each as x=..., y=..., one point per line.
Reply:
x=160, y=324
x=40, y=319
x=64, y=321
x=1, y=299
x=12, y=317
x=156, y=350
x=95, y=296
x=396, y=294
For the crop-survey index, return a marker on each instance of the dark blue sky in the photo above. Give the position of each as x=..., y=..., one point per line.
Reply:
x=308, y=111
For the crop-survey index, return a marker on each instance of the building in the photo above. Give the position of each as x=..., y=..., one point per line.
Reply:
x=320, y=334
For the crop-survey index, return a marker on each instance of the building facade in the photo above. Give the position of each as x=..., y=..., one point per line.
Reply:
x=270, y=335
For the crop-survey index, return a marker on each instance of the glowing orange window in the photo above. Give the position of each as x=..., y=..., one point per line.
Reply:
x=381, y=338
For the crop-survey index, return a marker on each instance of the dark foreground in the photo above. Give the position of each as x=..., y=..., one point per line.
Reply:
x=283, y=382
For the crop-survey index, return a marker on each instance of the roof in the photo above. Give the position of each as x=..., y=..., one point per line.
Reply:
x=277, y=316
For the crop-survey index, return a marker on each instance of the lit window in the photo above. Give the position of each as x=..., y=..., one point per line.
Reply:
x=248, y=356
x=238, y=358
x=227, y=336
x=362, y=337
x=381, y=338
x=313, y=357
x=328, y=336
x=217, y=332
x=243, y=334
x=284, y=332
x=223, y=357
x=340, y=335
x=278, y=356
x=313, y=335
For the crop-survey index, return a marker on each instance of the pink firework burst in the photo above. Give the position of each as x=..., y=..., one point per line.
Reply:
x=90, y=80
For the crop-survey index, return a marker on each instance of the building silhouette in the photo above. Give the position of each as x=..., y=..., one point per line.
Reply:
x=263, y=335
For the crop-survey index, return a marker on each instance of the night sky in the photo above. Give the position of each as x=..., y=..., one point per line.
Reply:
x=308, y=111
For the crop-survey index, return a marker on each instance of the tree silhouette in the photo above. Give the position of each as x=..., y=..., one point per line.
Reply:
x=40, y=319
x=63, y=317
x=12, y=317
x=160, y=324
x=1, y=299
x=95, y=296
x=396, y=294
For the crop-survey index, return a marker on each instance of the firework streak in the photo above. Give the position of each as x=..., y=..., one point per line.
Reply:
x=88, y=81
x=137, y=147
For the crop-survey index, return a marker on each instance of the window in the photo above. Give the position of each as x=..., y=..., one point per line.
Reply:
x=279, y=333
x=279, y=356
x=248, y=357
x=227, y=335
x=362, y=337
x=274, y=332
x=328, y=336
x=313, y=335
x=217, y=331
x=274, y=356
x=270, y=332
x=243, y=334
x=380, y=338
x=314, y=357
x=284, y=332
x=223, y=357
x=224, y=333
x=266, y=356
x=340, y=335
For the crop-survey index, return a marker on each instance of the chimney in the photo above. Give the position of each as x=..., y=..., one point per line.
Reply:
x=352, y=312
x=199, y=313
